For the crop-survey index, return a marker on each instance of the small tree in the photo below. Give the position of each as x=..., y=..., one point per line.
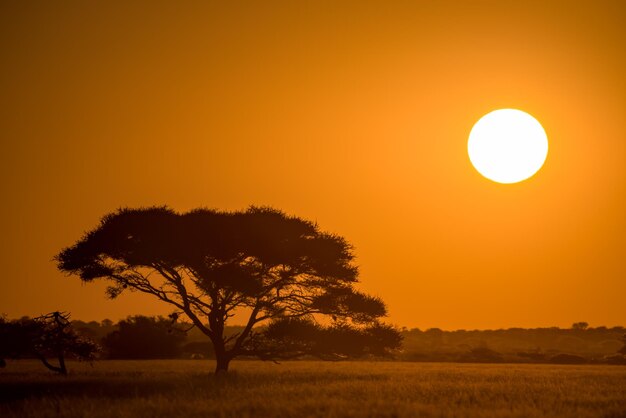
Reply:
x=280, y=270
x=48, y=336
x=580, y=326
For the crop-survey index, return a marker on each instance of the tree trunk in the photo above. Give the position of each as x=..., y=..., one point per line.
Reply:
x=62, y=368
x=222, y=356
x=222, y=361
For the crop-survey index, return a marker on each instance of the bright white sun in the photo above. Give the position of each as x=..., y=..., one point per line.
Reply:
x=507, y=146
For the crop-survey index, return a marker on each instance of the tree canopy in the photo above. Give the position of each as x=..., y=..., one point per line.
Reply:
x=280, y=270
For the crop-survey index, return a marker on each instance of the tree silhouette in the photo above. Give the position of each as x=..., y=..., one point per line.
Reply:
x=281, y=271
x=44, y=337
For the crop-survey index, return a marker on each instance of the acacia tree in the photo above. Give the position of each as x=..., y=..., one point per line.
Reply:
x=282, y=271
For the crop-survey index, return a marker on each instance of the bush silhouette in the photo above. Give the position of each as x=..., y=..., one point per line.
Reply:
x=141, y=337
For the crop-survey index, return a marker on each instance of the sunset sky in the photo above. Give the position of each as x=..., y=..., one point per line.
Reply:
x=352, y=114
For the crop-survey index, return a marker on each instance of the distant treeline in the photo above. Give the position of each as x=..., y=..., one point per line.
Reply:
x=141, y=337
x=576, y=345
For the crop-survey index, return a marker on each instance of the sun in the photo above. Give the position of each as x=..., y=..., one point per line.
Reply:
x=507, y=146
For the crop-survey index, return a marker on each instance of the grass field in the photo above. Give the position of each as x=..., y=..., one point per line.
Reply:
x=187, y=388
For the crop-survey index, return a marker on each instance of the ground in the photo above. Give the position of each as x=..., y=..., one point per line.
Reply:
x=187, y=388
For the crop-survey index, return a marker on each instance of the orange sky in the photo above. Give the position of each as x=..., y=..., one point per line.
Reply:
x=353, y=114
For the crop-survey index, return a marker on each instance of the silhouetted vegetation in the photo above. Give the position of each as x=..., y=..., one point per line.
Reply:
x=516, y=345
x=284, y=270
x=93, y=330
x=141, y=337
x=45, y=337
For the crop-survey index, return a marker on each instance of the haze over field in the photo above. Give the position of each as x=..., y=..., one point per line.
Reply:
x=354, y=115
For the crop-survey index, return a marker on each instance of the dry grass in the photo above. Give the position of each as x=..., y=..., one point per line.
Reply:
x=187, y=388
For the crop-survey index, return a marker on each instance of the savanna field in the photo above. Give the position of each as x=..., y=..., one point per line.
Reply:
x=188, y=388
